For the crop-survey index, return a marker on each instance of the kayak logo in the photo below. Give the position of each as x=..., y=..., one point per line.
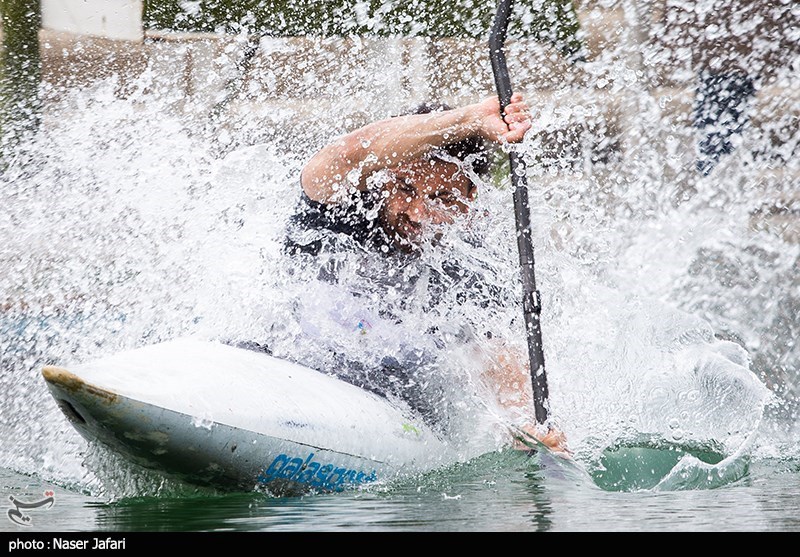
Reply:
x=313, y=473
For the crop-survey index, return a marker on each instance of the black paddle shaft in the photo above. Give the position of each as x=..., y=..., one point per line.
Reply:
x=531, y=300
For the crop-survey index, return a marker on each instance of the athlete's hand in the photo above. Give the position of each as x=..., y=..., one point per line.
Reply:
x=552, y=438
x=495, y=127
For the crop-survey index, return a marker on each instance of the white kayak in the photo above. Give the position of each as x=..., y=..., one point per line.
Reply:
x=238, y=419
x=233, y=418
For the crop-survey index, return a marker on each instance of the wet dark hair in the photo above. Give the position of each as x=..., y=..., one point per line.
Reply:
x=475, y=146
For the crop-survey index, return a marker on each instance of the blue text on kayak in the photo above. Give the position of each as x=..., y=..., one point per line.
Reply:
x=313, y=473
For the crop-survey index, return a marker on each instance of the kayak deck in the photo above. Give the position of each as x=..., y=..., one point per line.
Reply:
x=293, y=428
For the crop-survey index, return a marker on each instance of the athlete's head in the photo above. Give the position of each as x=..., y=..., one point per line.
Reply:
x=433, y=189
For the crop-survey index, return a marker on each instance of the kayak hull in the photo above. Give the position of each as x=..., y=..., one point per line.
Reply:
x=234, y=419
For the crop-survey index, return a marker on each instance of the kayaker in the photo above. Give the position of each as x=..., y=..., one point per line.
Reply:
x=391, y=184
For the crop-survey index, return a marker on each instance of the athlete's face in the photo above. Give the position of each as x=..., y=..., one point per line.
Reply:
x=421, y=195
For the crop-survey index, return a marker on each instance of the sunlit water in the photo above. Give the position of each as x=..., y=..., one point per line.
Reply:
x=127, y=222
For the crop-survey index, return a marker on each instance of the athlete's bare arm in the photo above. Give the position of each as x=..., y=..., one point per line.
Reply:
x=391, y=142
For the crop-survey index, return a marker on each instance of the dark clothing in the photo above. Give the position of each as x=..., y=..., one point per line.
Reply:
x=720, y=112
x=356, y=218
x=327, y=235
x=319, y=228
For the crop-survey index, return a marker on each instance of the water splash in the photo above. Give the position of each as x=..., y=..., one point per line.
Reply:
x=131, y=219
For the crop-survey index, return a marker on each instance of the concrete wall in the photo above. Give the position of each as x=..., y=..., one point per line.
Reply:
x=598, y=105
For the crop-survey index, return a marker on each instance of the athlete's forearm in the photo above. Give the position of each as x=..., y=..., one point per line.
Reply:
x=349, y=161
x=384, y=144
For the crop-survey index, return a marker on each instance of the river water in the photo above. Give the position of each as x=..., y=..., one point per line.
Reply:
x=497, y=493
x=667, y=312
